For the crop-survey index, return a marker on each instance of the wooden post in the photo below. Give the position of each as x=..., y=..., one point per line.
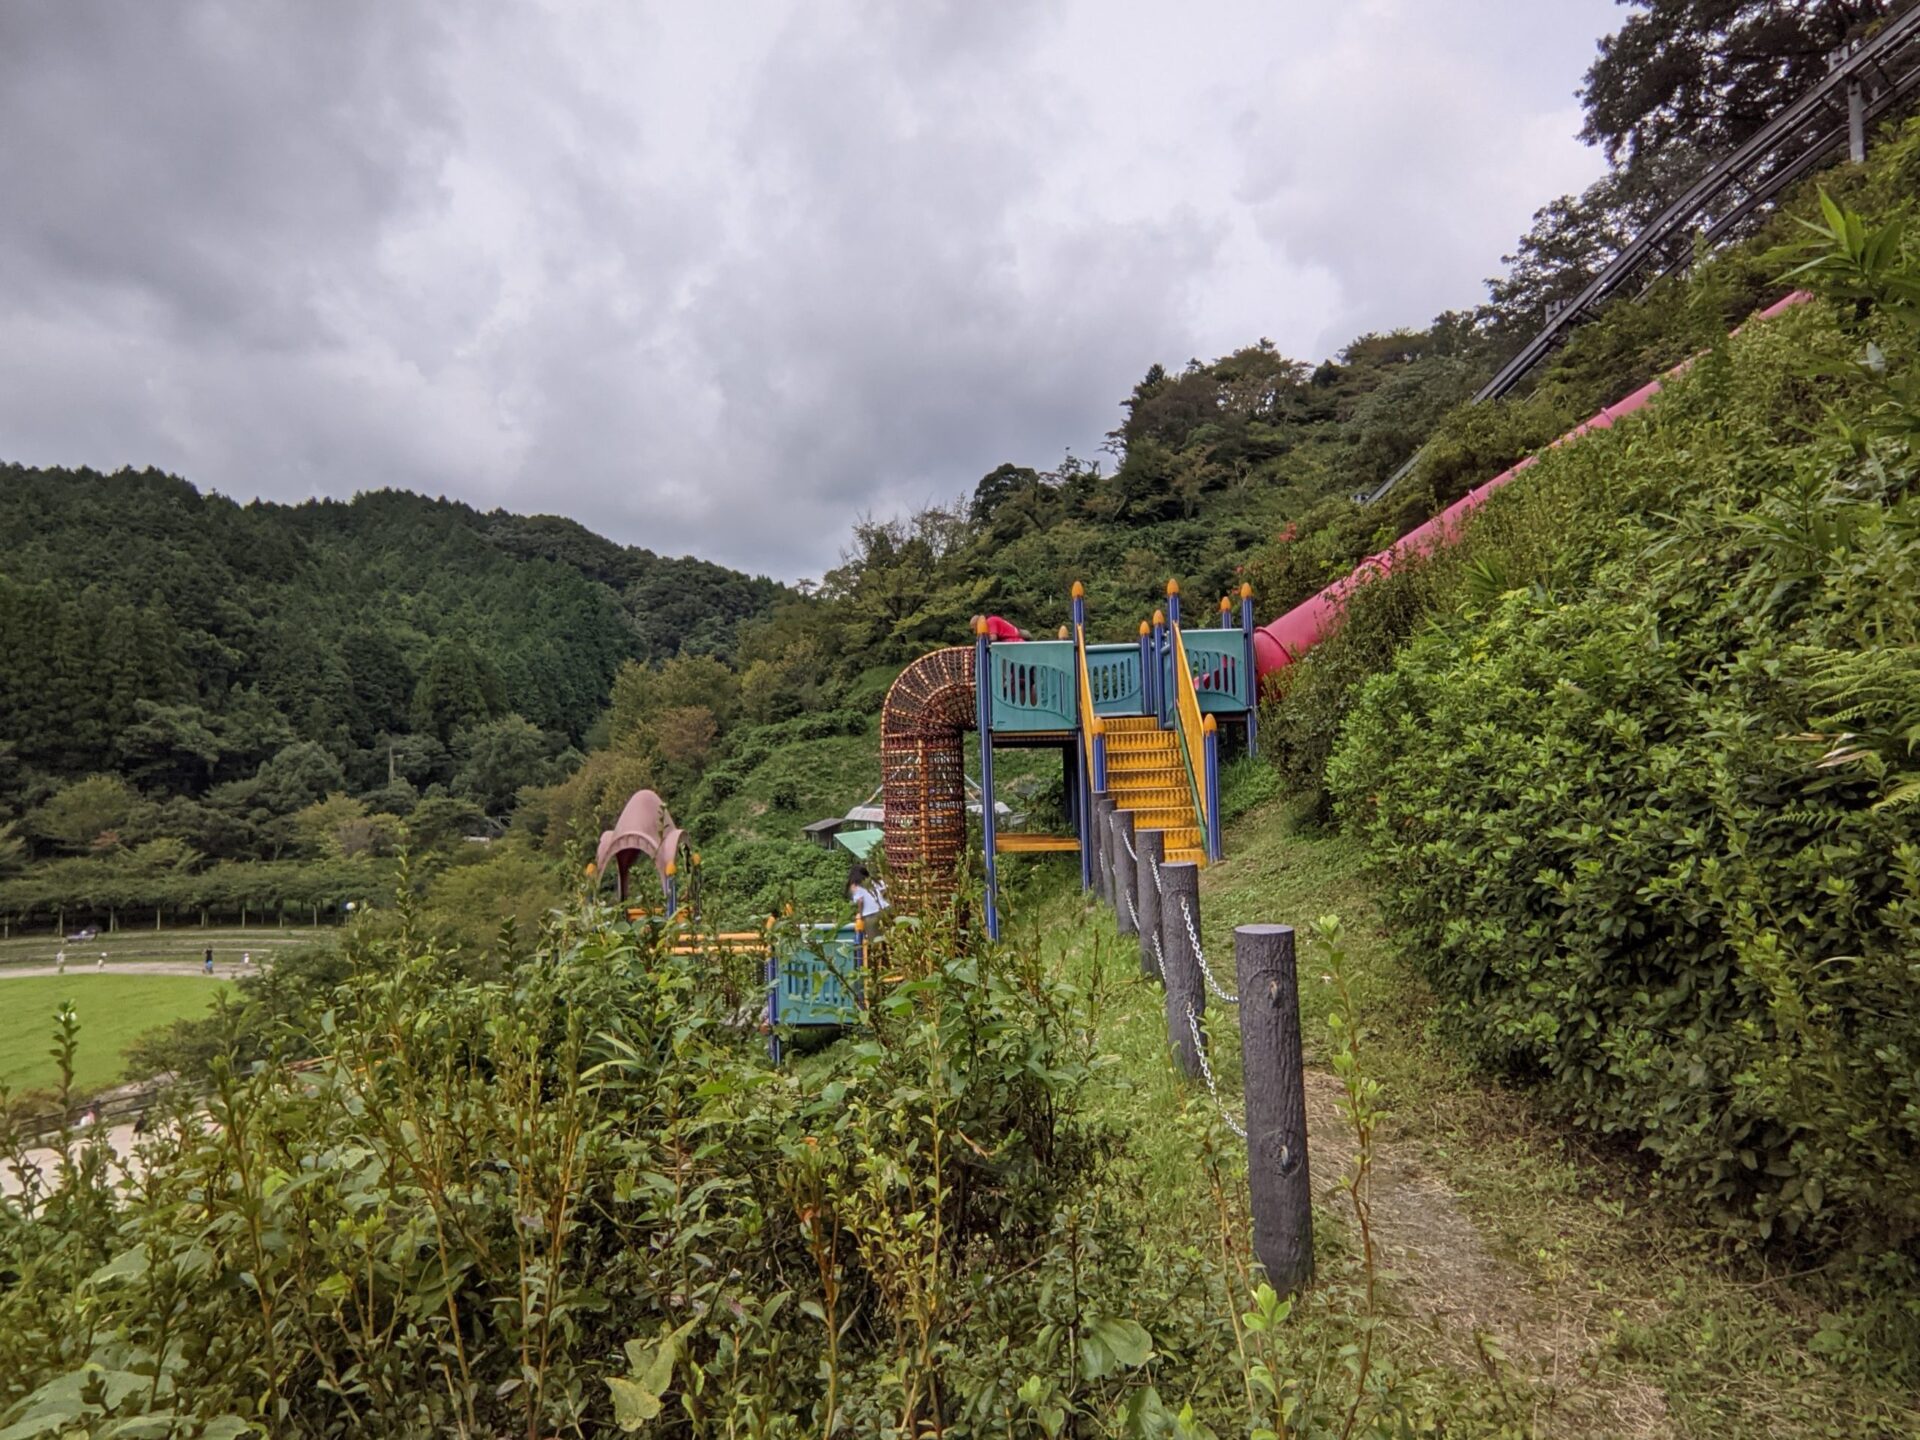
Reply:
x=1102, y=864
x=1269, y=990
x=1186, y=994
x=1150, y=846
x=1124, y=884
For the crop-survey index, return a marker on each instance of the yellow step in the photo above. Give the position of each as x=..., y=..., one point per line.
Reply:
x=1035, y=844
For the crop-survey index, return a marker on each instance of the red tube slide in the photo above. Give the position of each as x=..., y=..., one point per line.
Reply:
x=1279, y=644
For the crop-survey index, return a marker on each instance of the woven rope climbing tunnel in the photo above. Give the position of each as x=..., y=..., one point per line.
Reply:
x=923, y=771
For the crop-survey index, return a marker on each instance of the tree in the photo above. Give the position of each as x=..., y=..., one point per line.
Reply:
x=300, y=774
x=1705, y=74
x=498, y=758
x=82, y=813
x=456, y=690
x=997, y=487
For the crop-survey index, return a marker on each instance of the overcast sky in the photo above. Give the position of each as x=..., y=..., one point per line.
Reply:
x=718, y=278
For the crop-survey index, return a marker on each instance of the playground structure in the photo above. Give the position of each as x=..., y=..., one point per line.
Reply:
x=1135, y=722
x=645, y=828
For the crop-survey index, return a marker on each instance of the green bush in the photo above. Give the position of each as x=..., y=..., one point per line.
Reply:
x=1618, y=823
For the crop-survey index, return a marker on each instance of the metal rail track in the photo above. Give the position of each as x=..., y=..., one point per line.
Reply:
x=1865, y=82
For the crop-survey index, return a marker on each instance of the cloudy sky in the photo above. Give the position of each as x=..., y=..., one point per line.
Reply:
x=718, y=278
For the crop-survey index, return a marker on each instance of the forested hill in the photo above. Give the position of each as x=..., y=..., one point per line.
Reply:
x=182, y=640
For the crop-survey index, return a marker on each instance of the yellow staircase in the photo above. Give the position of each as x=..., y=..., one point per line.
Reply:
x=1147, y=775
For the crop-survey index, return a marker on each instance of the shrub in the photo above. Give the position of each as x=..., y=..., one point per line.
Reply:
x=1606, y=828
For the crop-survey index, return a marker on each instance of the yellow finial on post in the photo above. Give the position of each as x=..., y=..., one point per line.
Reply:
x=590, y=869
x=859, y=925
x=1145, y=629
x=673, y=866
x=1225, y=604
x=1079, y=590
x=1207, y=726
x=1246, y=591
x=1099, y=725
x=1159, y=618
x=1173, y=588
x=1063, y=633
x=979, y=624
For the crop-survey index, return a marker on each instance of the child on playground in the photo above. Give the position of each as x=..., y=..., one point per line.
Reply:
x=999, y=628
x=869, y=896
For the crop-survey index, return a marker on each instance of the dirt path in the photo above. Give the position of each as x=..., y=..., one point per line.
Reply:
x=1451, y=1297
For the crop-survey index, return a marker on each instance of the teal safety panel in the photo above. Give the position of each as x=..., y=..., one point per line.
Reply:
x=817, y=981
x=1221, y=680
x=1113, y=675
x=1030, y=684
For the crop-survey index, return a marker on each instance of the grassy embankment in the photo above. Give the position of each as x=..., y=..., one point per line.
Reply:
x=1532, y=1280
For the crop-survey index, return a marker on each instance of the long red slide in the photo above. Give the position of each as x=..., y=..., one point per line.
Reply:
x=1280, y=643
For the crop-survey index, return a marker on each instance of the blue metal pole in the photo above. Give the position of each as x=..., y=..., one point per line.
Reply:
x=1253, y=678
x=1146, y=668
x=671, y=889
x=1225, y=606
x=1210, y=735
x=1161, y=686
x=1099, y=754
x=983, y=721
x=1173, y=602
x=1079, y=608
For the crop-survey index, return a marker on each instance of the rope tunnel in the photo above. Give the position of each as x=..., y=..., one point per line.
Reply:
x=923, y=773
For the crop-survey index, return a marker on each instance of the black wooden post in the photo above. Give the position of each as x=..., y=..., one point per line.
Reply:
x=1276, y=1091
x=1102, y=855
x=1150, y=846
x=1186, y=996
x=1123, y=868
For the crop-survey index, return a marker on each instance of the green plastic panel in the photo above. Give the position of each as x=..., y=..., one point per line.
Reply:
x=1113, y=673
x=1221, y=680
x=817, y=980
x=1031, y=685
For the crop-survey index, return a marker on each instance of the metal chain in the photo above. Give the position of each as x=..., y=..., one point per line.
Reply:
x=1133, y=910
x=1159, y=959
x=1193, y=934
x=1155, y=866
x=1127, y=841
x=1213, y=1088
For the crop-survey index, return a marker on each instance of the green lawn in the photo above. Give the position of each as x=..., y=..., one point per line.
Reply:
x=182, y=943
x=112, y=1008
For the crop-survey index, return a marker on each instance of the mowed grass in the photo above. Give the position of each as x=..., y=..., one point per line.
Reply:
x=183, y=943
x=113, y=1009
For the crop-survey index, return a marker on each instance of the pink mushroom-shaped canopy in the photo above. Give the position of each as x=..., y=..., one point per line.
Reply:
x=644, y=828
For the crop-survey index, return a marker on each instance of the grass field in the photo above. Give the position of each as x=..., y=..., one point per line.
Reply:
x=185, y=943
x=113, y=1009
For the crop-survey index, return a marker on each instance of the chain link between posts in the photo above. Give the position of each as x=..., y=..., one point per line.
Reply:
x=1193, y=935
x=1206, y=1069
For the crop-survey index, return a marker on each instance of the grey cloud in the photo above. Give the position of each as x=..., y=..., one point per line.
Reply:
x=710, y=280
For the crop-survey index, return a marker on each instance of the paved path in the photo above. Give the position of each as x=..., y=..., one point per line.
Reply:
x=132, y=967
x=46, y=1158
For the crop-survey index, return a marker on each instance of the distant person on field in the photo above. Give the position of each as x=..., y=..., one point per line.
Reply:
x=206, y=967
x=246, y=958
x=101, y=963
x=60, y=959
